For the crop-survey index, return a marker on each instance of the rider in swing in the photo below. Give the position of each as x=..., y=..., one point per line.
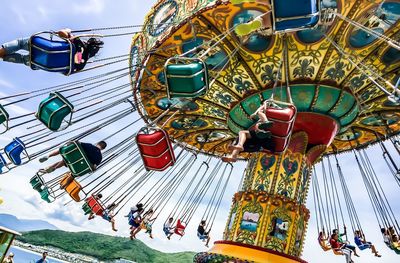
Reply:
x=257, y=134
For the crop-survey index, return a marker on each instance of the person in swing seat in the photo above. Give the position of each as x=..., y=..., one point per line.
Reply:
x=261, y=22
x=146, y=223
x=93, y=153
x=97, y=197
x=346, y=244
x=135, y=220
x=340, y=248
x=10, y=51
x=202, y=233
x=169, y=228
x=108, y=215
x=322, y=240
x=362, y=244
x=257, y=134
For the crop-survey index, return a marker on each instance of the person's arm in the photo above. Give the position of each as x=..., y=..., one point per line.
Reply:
x=65, y=33
x=255, y=113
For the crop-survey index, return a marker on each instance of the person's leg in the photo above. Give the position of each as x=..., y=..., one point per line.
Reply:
x=8, y=51
x=52, y=154
x=91, y=216
x=373, y=249
x=14, y=46
x=208, y=241
x=55, y=166
x=113, y=225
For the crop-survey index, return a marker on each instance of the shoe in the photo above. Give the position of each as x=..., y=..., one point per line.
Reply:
x=265, y=125
x=43, y=159
x=228, y=159
x=245, y=29
x=377, y=255
x=49, y=170
x=238, y=147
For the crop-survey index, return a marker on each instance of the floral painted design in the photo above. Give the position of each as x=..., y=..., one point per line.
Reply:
x=304, y=70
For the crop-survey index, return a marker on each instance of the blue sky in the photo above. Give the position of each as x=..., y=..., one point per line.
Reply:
x=22, y=18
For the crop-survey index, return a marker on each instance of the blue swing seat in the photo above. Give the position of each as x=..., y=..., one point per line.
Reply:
x=295, y=15
x=14, y=150
x=52, y=55
x=3, y=163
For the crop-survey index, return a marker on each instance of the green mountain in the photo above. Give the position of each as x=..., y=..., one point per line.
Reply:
x=103, y=247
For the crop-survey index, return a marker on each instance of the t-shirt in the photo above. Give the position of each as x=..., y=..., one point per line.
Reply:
x=358, y=241
x=81, y=51
x=92, y=152
x=42, y=261
x=168, y=225
x=201, y=230
x=334, y=243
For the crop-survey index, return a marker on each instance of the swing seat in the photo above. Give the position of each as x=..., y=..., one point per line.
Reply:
x=156, y=149
x=95, y=205
x=283, y=122
x=46, y=196
x=4, y=118
x=52, y=55
x=324, y=246
x=14, y=150
x=186, y=78
x=73, y=188
x=295, y=15
x=53, y=110
x=337, y=252
x=37, y=183
x=180, y=228
x=3, y=163
x=75, y=159
x=86, y=208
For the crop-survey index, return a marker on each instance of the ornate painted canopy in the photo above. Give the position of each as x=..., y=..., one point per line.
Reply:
x=325, y=83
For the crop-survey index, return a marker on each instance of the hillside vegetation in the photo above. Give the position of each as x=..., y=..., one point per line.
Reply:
x=103, y=247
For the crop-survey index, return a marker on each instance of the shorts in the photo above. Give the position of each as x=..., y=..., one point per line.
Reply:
x=107, y=217
x=202, y=237
x=365, y=246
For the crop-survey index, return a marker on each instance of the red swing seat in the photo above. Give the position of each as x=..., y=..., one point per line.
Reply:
x=283, y=122
x=95, y=205
x=156, y=149
x=180, y=228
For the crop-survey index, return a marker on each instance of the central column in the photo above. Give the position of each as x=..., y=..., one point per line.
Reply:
x=268, y=218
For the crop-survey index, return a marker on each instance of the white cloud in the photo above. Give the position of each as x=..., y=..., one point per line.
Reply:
x=89, y=7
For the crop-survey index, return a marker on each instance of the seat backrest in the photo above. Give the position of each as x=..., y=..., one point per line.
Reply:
x=14, y=150
x=75, y=158
x=3, y=163
x=95, y=205
x=74, y=189
x=53, y=110
x=156, y=150
x=52, y=55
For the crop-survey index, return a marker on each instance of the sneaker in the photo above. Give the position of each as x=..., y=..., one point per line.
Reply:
x=43, y=159
x=229, y=159
x=50, y=170
x=245, y=29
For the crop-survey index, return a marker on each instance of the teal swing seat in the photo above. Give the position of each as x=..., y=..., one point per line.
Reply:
x=39, y=185
x=4, y=118
x=53, y=110
x=186, y=77
x=75, y=158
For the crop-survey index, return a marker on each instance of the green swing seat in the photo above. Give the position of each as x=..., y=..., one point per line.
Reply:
x=86, y=208
x=4, y=118
x=38, y=185
x=186, y=77
x=75, y=158
x=53, y=110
